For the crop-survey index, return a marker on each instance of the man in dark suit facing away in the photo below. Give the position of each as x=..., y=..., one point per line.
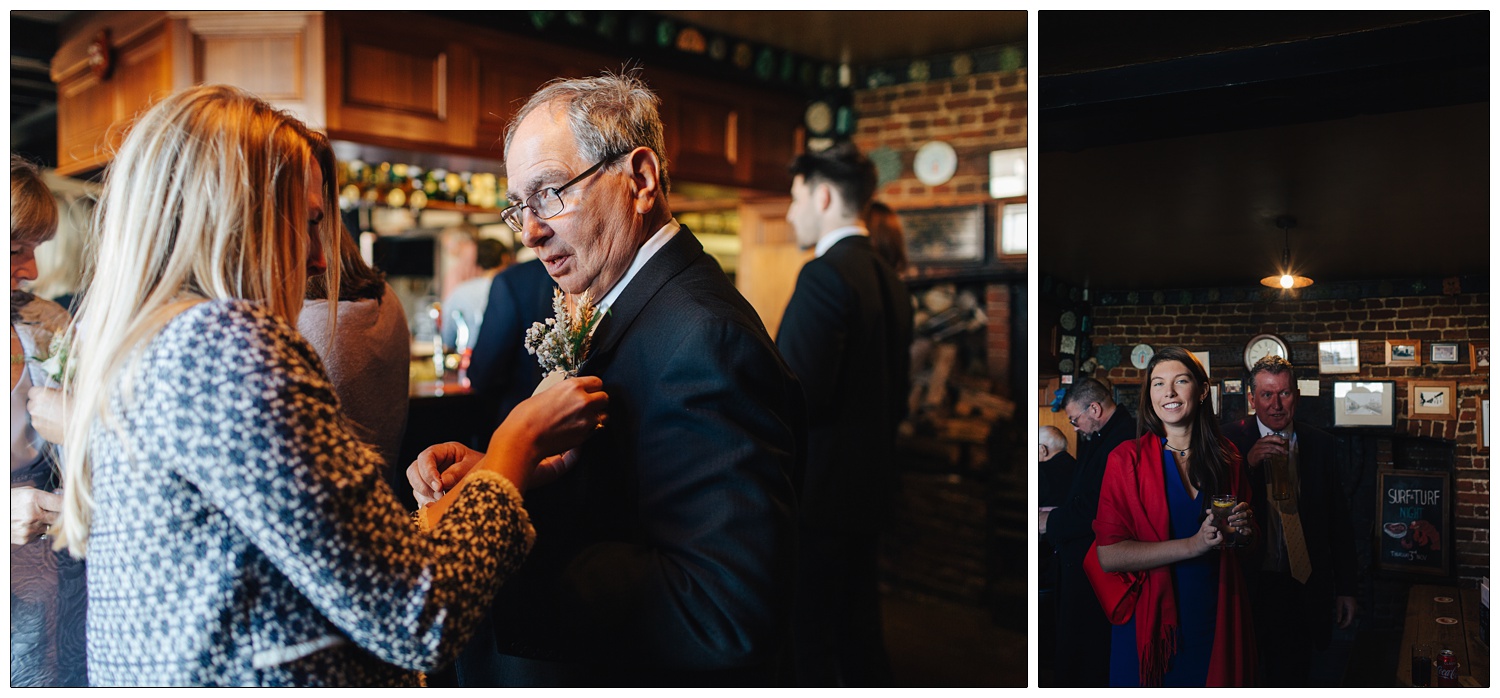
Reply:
x=847, y=334
x=665, y=555
x=1308, y=574
x=501, y=370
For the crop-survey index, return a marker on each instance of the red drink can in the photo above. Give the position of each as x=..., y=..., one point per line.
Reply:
x=1447, y=669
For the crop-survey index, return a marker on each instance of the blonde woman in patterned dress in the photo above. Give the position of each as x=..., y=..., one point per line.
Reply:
x=236, y=532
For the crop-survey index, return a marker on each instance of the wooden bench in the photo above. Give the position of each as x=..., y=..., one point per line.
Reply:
x=1425, y=605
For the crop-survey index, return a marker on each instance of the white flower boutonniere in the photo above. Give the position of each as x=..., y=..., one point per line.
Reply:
x=561, y=344
x=55, y=363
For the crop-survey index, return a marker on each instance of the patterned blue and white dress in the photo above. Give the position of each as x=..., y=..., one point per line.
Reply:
x=243, y=536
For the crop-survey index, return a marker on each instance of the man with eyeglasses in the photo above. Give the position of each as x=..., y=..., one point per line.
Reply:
x=1307, y=576
x=1083, y=632
x=665, y=555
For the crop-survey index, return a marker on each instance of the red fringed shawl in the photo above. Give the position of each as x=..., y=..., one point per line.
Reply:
x=1133, y=506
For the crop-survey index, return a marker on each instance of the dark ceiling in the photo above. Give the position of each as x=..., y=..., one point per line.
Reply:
x=1171, y=142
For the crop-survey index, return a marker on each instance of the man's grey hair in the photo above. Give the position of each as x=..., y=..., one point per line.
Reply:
x=1273, y=365
x=610, y=115
x=1088, y=390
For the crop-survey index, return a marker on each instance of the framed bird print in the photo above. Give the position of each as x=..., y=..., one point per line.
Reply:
x=1429, y=399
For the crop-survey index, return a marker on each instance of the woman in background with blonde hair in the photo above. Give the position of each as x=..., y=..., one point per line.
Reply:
x=47, y=601
x=236, y=532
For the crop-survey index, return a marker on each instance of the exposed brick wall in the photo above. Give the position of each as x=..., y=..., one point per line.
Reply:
x=997, y=339
x=975, y=114
x=942, y=547
x=1223, y=328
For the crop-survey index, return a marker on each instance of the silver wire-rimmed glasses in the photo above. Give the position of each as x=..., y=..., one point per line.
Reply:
x=548, y=202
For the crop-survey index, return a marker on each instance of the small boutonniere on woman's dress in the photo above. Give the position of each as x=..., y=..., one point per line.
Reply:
x=561, y=344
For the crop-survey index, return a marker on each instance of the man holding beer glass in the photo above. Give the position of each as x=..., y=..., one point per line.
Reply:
x=1306, y=575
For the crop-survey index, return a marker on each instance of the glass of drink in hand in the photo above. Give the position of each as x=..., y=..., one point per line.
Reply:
x=1223, y=505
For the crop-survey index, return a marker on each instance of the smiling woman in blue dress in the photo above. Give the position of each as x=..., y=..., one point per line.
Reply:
x=1190, y=623
x=236, y=532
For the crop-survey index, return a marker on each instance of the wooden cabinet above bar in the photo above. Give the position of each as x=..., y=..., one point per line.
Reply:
x=395, y=79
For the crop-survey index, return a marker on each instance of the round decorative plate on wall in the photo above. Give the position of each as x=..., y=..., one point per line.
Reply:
x=1141, y=355
x=935, y=163
x=818, y=118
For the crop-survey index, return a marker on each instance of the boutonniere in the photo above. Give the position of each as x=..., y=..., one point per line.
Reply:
x=55, y=364
x=561, y=344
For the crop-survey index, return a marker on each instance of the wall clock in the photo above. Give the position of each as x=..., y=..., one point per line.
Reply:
x=935, y=163
x=1262, y=345
x=1141, y=355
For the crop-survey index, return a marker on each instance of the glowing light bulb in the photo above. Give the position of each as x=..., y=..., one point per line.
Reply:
x=1287, y=281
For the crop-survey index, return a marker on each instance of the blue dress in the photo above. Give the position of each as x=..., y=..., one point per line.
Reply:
x=1196, y=583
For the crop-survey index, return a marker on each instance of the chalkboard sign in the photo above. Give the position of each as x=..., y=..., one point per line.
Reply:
x=1414, y=525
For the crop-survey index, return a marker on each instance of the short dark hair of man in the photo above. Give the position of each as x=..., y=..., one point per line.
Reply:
x=490, y=253
x=845, y=169
x=1086, y=391
x=1271, y=364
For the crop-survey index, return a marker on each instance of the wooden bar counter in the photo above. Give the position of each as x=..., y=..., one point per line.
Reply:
x=1445, y=617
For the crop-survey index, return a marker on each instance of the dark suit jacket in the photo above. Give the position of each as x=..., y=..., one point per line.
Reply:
x=1324, y=511
x=847, y=336
x=666, y=555
x=1083, y=632
x=1055, y=479
x=1071, y=524
x=500, y=370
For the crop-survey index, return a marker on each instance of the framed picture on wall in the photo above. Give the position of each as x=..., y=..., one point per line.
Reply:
x=1444, y=352
x=944, y=235
x=1364, y=403
x=1233, y=386
x=1403, y=352
x=1414, y=517
x=1338, y=357
x=1479, y=358
x=1430, y=399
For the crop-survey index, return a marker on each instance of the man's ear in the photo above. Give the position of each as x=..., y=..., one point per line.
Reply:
x=822, y=195
x=644, y=172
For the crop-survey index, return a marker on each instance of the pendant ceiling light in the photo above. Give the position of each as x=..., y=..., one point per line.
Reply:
x=1285, y=278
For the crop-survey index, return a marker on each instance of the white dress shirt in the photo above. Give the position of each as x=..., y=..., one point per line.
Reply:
x=828, y=241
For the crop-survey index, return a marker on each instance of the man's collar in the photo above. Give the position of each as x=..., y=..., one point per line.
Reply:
x=833, y=236
x=643, y=255
x=1267, y=431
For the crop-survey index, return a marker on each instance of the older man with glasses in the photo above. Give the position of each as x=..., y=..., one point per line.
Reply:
x=1082, y=630
x=665, y=555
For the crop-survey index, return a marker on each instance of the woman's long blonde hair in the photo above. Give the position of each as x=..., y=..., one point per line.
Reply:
x=206, y=199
